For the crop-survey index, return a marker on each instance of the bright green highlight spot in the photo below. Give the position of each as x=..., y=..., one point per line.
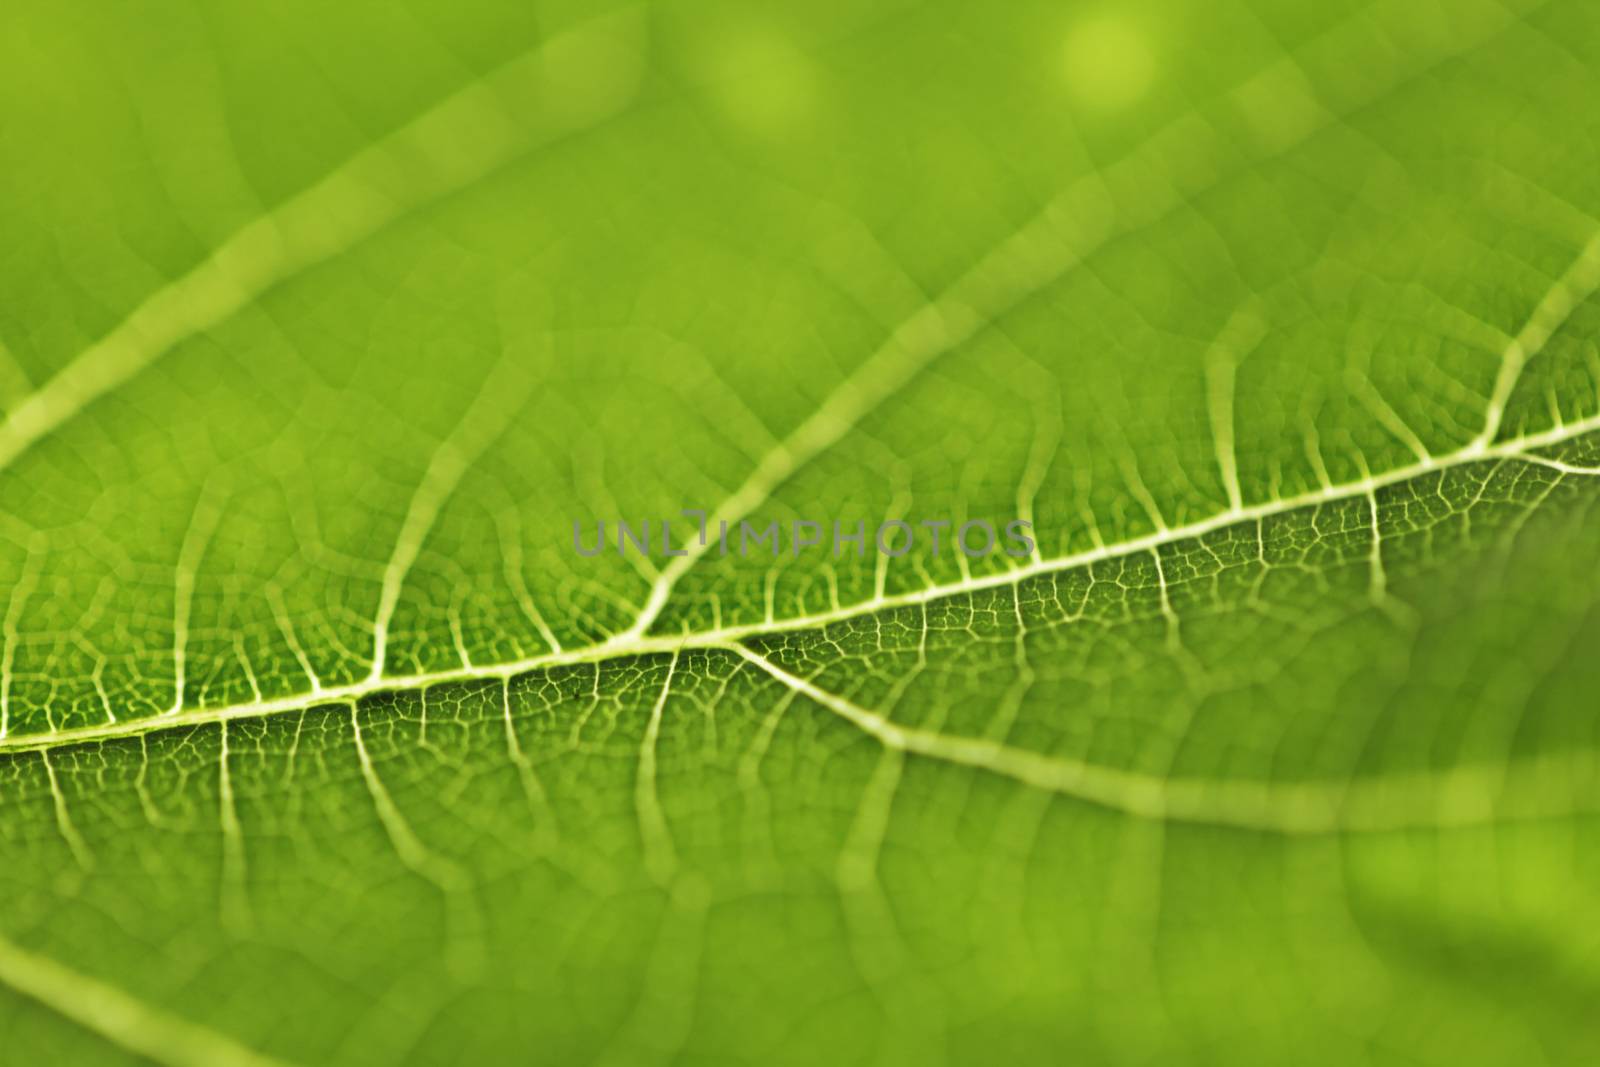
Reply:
x=1110, y=63
x=758, y=78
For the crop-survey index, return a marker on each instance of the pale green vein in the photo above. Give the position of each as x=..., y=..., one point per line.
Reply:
x=202, y=524
x=465, y=945
x=1575, y=285
x=64, y=824
x=491, y=411
x=119, y=1018
x=1460, y=796
x=567, y=84
x=660, y=856
x=10, y=635
x=1244, y=330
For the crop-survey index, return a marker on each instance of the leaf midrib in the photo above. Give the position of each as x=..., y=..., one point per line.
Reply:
x=626, y=645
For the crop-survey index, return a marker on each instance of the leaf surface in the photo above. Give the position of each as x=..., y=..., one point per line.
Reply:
x=322, y=330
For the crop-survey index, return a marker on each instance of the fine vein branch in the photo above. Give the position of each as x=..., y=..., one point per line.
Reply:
x=1462, y=796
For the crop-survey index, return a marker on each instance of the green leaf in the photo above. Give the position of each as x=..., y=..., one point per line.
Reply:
x=325, y=326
